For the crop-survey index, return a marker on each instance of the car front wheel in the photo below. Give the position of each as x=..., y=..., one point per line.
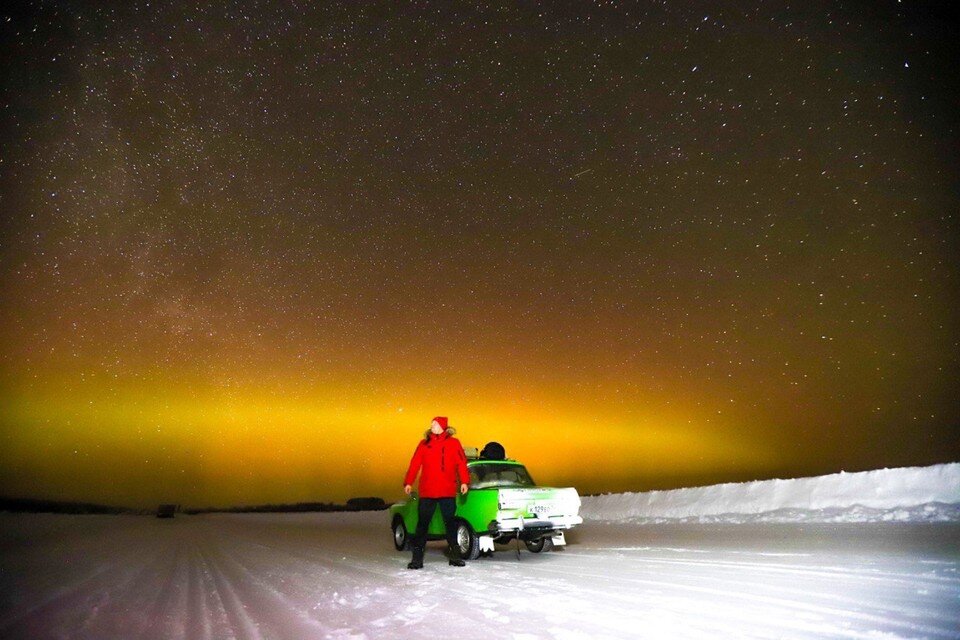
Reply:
x=468, y=543
x=543, y=544
x=401, y=539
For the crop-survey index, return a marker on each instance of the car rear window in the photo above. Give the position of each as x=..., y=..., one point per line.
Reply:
x=491, y=474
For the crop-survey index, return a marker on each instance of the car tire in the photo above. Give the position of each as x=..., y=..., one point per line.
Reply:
x=401, y=537
x=543, y=544
x=468, y=541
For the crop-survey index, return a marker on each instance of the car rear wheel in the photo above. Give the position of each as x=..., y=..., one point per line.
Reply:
x=401, y=539
x=468, y=543
x=543, y=544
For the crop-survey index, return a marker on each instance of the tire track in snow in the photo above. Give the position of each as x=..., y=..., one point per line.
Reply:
x=240, y=586
x=100, y=586
x=331, y=568
x=128, y=612
x=198, y=610
x=387, y=612
x=242, y=627
x=341, y=575
x=315, y=554
x=137, y=602
x=163, y=619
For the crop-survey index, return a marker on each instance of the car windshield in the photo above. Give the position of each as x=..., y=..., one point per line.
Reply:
x=492, y=474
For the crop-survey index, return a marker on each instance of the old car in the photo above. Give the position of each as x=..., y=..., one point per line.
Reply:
x=503, y=504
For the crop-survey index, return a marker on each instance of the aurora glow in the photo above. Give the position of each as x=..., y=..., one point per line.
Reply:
x=249, y=250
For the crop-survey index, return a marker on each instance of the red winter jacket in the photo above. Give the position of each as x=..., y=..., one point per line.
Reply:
x=440, y=460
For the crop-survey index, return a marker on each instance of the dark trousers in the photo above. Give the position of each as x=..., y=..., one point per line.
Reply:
x=425, y=510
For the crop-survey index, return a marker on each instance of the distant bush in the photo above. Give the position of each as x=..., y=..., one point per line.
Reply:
x=353, y=504
x=27, y=505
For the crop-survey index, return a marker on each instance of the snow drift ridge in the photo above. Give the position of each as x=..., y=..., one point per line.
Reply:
x=905, y=494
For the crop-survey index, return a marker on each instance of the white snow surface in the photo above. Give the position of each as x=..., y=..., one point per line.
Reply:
x=337, y=575
x=908, y=494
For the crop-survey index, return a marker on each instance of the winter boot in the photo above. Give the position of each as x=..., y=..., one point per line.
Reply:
x=417, y=562
x=455, y=559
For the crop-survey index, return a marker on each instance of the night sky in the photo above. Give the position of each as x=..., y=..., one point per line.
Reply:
x=249, y=249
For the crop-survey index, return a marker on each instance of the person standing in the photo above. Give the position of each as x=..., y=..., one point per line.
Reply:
x=440, y=460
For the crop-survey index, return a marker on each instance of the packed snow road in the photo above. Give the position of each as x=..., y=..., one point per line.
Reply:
x=336, y=575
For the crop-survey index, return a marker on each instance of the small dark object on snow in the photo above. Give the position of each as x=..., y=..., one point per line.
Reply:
x=366, y=504
x=493, y=451
x=415, y=564
x=166, y=510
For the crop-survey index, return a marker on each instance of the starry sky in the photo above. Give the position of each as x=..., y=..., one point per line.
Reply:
x=249, y=249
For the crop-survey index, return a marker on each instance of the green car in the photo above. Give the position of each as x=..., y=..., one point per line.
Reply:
x=503, y=504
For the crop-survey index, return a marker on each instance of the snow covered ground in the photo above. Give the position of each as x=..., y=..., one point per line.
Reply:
x=336, y=575
x=908, y=494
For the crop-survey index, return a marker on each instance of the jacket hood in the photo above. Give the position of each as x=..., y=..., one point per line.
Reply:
x=450, y=431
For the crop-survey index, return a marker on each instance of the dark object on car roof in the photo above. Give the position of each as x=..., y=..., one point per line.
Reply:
x=166, y=510
x=493, y=451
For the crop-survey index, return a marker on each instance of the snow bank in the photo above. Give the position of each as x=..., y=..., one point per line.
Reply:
x=910, y=494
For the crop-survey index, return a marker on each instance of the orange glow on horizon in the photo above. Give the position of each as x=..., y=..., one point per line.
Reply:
x=245, y=449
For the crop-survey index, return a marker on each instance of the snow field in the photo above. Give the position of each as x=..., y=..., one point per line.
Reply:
x=337, y=575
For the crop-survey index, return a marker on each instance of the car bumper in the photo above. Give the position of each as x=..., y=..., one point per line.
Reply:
x=514, y=525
